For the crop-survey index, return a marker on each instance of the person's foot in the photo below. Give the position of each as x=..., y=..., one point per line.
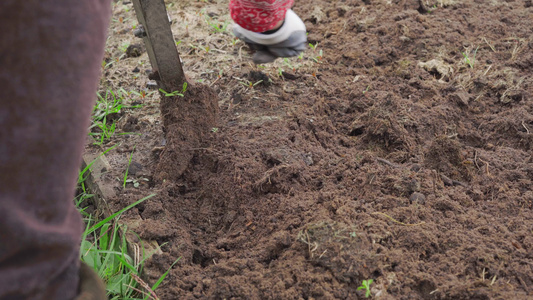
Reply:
x=290, y=39
x=91, y=286
x=277, y=25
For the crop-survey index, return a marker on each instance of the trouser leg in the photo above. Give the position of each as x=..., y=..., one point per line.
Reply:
x=50, y=59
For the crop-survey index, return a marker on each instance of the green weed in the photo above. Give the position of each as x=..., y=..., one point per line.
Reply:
x=124, y=47
x=175, y=93
x=470, y=61
x=216, y=26
x=318, y=53
x=142, y=95
x=365, y=285
x=128, y=168
x=433, y=8
x=136, y=182
x=318, y=57
x=250, y=84
x=105, y=250
x=287, y=63
x=107, y=107
x=171, y=94
x=106, y=65
x=280, y=72
x=108, y=257
x=82, y=196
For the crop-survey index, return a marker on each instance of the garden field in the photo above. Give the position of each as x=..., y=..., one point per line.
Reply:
x=397, y=148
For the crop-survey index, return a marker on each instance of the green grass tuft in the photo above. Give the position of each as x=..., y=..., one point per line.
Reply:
x=104, y=248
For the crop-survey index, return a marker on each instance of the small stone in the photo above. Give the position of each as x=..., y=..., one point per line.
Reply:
x=460, y=97
x=206, y=282
x=405, y=39
x=135, y=168
x=136, y=70
x=416, y=168
x=477, y=195
x=413, y=185
x=417, y=198
x=308, y=159
x=446, y=180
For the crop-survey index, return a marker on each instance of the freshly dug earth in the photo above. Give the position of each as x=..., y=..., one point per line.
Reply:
x=401, y=153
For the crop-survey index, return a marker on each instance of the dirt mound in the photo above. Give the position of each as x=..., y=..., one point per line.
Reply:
x=187, y=121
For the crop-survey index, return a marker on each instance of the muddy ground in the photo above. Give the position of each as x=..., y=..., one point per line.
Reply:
x=398, y=148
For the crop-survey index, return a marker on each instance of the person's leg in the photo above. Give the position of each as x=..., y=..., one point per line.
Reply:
x=50, y=59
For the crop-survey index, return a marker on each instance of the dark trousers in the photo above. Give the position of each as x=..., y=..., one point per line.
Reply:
x=50, y=61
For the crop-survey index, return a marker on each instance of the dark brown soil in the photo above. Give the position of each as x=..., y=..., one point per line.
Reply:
x=389, y=159
x=187, y=121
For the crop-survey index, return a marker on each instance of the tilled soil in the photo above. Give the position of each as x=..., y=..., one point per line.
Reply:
x=399, y=149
